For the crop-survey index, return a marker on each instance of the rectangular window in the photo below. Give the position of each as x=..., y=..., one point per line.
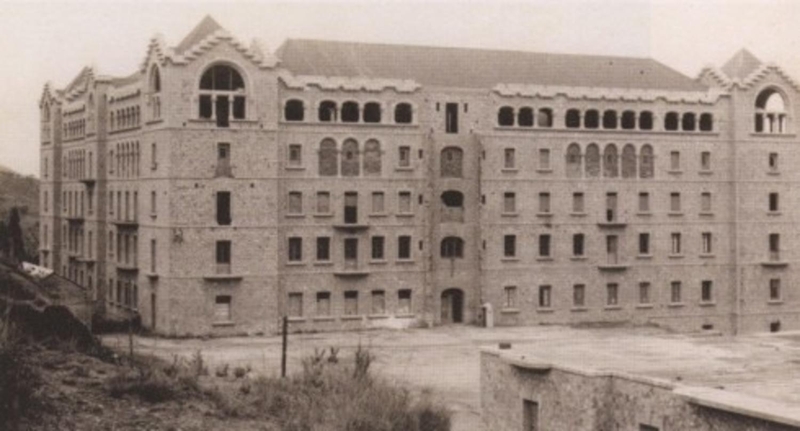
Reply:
x=675, y=202
x=510, y=297
x=773, y=162
x=644, y=202
x=530, y=415
x=153, y=156
x=295, y=155
x=579, y=295
x=451, y=117
x=544, y=245
x=773, y=202
x=578, y=244
x=378, y=302
x=223, y=208
x=612, y=294
x=705, y=202
x=222, y=308
x=223, y=152
x=404, y=202
x=644, y=244
x=675, y=161
x=644, y=292
x=323, y=203
x=706, y=291
x=775, y=289
x=404, y=156
x=676, y=243
x=544, y=203
x=544, y=159
x=295, y=305
x=545, y=293
x=578, y=205
x=707, y=243
x=323, y=248
x=510, y=245
x=351, y=249
x=774, y=246
x=377, y=203
x=351, y=303
x=509, y=161
x=153, y=203
x=705, y=161
x=509, y=203
x=153, y=256
x=223, y=257
x=295, y=249
x=323, y=303
x=675, y=292
x=295, y=204
x=404, y=301
x=377, y=248
x=404, y=247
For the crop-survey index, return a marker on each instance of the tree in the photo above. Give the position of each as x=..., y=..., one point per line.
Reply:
x=5, y=241
x=15, y=236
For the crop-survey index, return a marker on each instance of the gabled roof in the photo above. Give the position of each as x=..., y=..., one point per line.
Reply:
x=202, y=30
x=476, y=68
x=741, y=65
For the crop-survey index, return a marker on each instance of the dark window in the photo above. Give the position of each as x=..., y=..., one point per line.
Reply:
x=525, y=117
x=223, y=252
x=545, y=296
x=706, y=122
x=628, y=120
x=239, y=107
x=452, y=247
x=295, y=249
x=351, y=302
x=205, y=107
x=350, y=112
x=510, y=245
x=404, y=301
x=530, y=416
x=224, y=208
x=574, y=161
x=372, y=112
x=323, y=248
x=628, y=161
x=328, y=158
x=644, y=243
x=377, y=247
x=773, y=202
x=351, y=165
x=351, y=207
x=294, y=110
x=775, y=289
x=646, y=120
x=327, y=111
x=403, y=114
x=688, y=122
x=223, y=110
x=591, y=119
x=573, y=119
x=323, y=303
x=578, y=244
x=612, y=294
x=706, y=294
x=505, y=116
x=610, y=119
x=545, y=118
x=451, y=118
x=544, y=245
x=671, y=121
x=404, y=247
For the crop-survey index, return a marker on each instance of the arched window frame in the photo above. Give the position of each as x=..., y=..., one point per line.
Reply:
x=610, y=161
x=574, y=161
x=234, y=94
x=593, y=161
x=372, y=112
x=400, y=112
x=526, y=117
x=350, y=158
x=328, y=158
x=373, y=158
x=672, y=121
x=505, y=116
x=350, y=112
x=328, y=111
x=572, y=119
x=290, y=105
x=771, y=121
x=646, y=162
x=629, y=161
x=452, y=247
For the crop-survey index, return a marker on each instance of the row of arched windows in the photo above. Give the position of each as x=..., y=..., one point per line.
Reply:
x=349, y=112
x=611, y=164
x=75, y=166
x=74, y=129
x=127, y=159
x=350, y=159
x=124, y=118
x=609, y=119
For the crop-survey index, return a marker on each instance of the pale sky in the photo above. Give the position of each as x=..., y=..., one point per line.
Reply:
x=52, y=41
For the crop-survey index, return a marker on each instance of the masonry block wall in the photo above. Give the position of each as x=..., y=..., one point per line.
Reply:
x=221, y=187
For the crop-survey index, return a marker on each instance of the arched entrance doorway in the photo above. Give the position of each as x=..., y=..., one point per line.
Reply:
x=452, y=306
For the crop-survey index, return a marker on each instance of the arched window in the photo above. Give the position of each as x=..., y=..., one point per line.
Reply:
x=770, y=112
x=706, y=122
x=111, y=123
x=351, y=165
x=328, y=111
x=372, y=157
x=628, y=161
x=545, y=118
x=328, y=158
x=403, y=114
x=294, y=110
x=610, y=119
x=372, y=112
x=453, y=210
x=646, y=162
x=452, y=247
x=155, y=80
x=628, y=120
x=222, y=87
x=610, y=161
x=592, y=161
x=574, y=161
x=525, y=117
x=591, y=119
x=451, y=162
x=671, y=121
x=505, y=116
x=646, y=120
x=573, y=119
x=350, y=112
x=688, y=123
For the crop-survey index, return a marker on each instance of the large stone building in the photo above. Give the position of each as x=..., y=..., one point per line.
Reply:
x=220, y=187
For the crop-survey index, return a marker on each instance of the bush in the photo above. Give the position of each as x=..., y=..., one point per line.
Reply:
x=19, y=380
x=155, y=382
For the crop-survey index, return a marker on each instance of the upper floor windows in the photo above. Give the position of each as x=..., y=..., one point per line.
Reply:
x=329, y=111
x=525, y=117
x=403, y=114
x=351, y=158
x=771, y=112
x=294, y=110
x=222, y=95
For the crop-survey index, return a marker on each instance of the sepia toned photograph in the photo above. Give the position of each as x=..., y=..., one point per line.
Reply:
x=539, y=215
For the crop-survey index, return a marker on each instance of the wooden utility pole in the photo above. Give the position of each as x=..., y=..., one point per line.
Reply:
x=285, y=342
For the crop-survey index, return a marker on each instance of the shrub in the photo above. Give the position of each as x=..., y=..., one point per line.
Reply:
x=19, y=380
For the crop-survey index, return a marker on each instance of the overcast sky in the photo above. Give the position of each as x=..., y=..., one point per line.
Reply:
x=52, y=41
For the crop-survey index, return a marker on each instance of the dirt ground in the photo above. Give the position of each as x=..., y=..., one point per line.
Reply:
x=446, y=360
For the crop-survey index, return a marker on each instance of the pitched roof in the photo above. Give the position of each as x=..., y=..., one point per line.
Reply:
x=741, y=65
x=206, y=27
x=477, y=68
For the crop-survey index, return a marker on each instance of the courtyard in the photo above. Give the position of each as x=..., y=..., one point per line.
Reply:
x=446, y=360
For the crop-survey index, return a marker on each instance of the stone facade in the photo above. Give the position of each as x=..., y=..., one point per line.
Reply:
x=529, y=395
x=437, y=169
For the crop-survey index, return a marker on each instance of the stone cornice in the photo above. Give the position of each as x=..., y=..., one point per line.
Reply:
x=302, y=82
x=610, y=94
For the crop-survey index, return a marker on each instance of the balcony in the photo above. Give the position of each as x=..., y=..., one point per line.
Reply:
x=775, y=261
x=612, y=221
x=351, y=268
x=351, y=227
x=127, y=267
x=89, y=181
x=223, y=272
x=75, y=218
x=612, y=264
x=126, y=224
